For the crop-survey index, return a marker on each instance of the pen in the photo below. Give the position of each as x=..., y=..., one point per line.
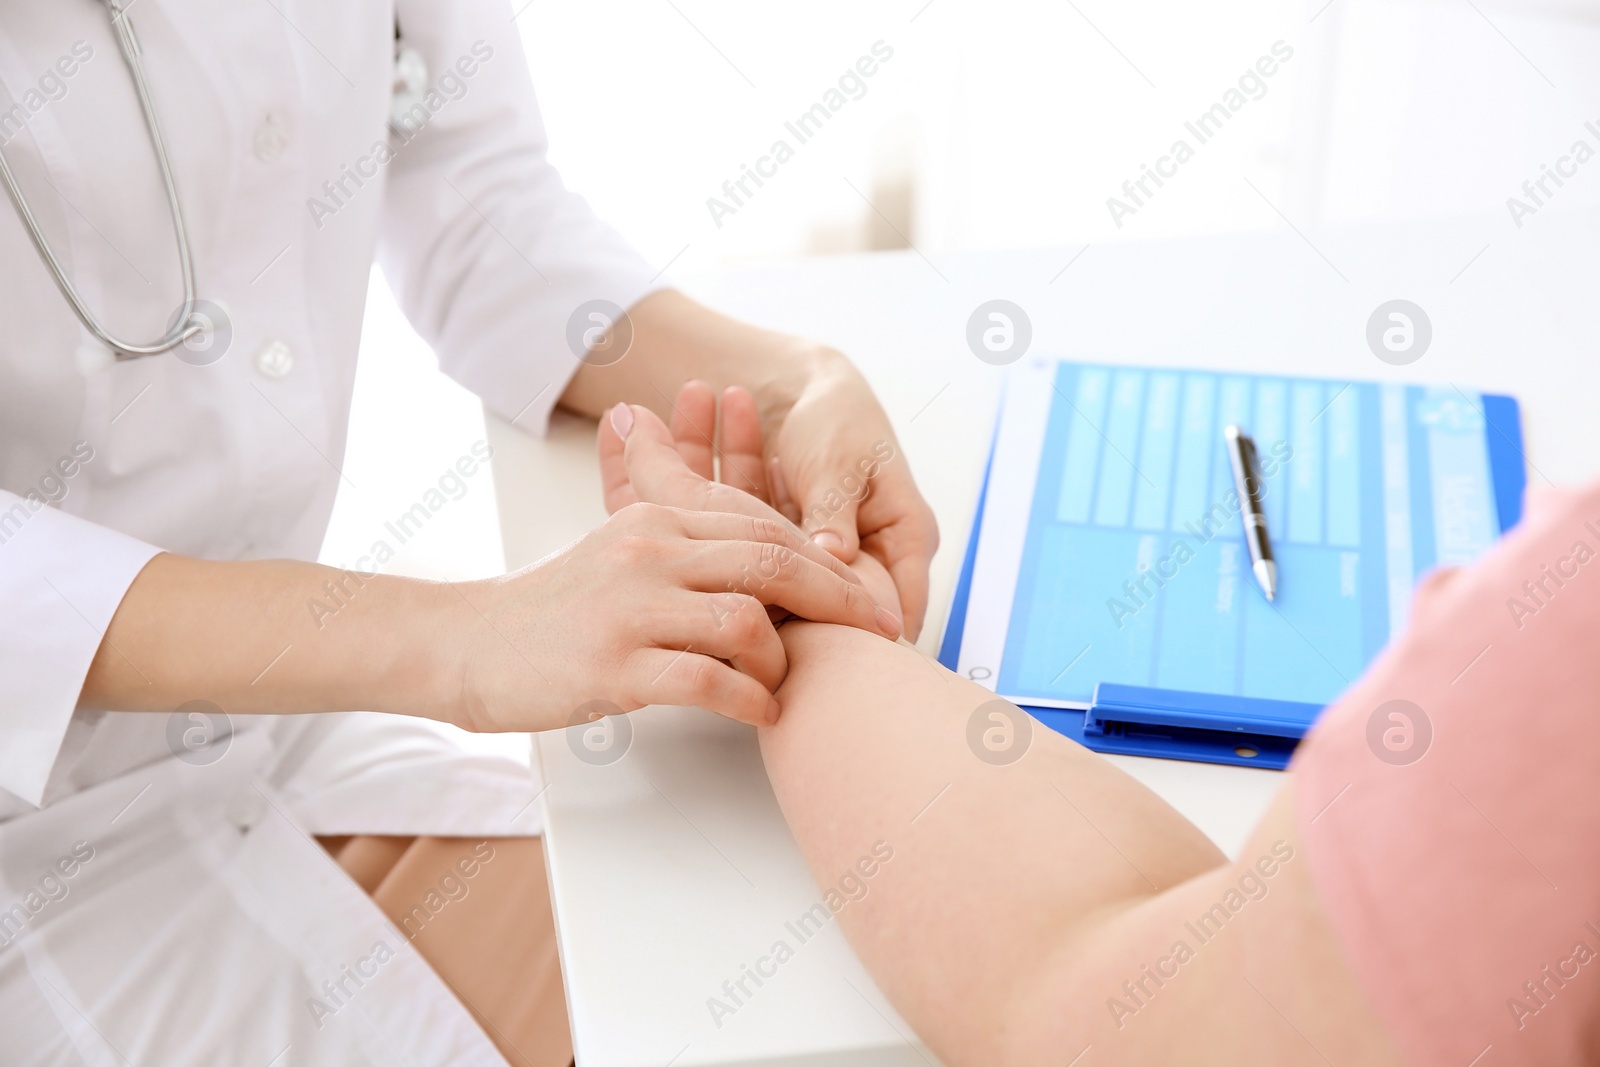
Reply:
x=1247, y=482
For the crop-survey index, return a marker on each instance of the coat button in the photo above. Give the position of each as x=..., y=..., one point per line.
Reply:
x=274, y=360
x=245, y=808
x=271, y=137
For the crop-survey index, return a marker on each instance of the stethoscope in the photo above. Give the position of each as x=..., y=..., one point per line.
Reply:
x=186, y=325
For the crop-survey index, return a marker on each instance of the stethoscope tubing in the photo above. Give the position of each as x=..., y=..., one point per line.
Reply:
x=184, y=328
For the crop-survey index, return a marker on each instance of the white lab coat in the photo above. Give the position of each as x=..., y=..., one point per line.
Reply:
x=204, y=920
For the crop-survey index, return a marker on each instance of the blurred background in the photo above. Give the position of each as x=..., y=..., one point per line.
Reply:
x=1008, y=123
x=998, y=125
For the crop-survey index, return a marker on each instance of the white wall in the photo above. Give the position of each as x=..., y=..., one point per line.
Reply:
x=1444, y=106
x=1012, y=121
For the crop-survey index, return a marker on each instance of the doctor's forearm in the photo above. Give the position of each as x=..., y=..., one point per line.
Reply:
x=676, y=339
x=271, y=636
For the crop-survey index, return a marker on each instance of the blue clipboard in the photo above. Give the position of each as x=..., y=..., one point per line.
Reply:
x=1131, y=708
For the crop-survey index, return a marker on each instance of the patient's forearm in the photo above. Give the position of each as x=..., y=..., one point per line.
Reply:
x=994, y=868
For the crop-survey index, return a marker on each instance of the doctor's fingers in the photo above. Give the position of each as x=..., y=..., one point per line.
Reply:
x=614, y=484
x=659, y=473
x=694, y=418
x=693, y=426
x=668, y=676
x=727, y=626
x=774, y=574
x=782, y=500
x=739, y=443
x=765, y=527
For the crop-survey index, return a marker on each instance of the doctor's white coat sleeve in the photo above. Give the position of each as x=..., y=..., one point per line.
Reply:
x=61, y=579
x=489, y=254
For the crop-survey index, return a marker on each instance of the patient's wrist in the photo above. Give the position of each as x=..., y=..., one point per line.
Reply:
x=817, y=646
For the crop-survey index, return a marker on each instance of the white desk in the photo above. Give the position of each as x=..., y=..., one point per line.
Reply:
x=672, y=867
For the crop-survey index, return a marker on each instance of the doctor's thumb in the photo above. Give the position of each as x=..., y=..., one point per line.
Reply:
x=828, y=516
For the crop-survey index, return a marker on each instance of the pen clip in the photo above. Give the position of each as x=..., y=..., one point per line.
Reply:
x=1249, y=464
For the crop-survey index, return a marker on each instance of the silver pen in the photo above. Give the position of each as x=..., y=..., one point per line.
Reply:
x=1247, y=483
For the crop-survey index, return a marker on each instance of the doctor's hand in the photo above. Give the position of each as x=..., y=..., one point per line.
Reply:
x=658, y=606
x=831, y=466
x=675, y=468
x=852, y=485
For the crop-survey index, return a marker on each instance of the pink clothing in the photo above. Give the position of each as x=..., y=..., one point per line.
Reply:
x=1450, y=805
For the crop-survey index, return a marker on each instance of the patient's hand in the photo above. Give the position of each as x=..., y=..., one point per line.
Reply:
x=674, y=467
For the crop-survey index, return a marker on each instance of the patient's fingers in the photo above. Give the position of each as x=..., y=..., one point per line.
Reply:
x=694, y=420
x=739, y=442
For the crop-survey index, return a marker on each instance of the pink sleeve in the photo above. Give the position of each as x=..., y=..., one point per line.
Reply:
x=1449, y=806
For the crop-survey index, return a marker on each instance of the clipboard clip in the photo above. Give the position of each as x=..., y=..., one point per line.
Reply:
x=1133, y=720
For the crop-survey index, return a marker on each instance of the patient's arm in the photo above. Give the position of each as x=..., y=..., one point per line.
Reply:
x=1020, y=898
x=1023, y=903
x=993, y=865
